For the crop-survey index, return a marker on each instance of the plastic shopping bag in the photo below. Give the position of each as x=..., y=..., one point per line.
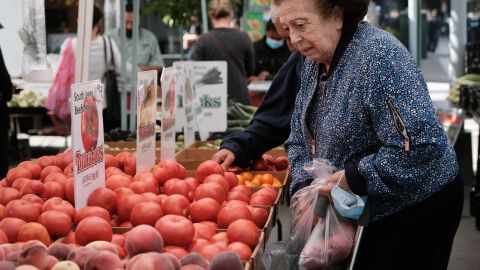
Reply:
x=293, y=253
x=59, y=92
x=332, y=237
x=330, y=242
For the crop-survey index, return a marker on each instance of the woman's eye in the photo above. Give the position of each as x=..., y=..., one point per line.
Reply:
x=299, y=25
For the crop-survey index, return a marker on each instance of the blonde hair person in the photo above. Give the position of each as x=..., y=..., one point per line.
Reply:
x=219, y=9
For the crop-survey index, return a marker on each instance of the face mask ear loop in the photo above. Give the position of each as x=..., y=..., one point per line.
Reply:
x=340, y=179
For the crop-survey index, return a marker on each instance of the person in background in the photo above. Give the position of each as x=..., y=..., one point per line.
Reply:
x=270, y=125
x=225, y=42
x=271, y=52
x=6, y=88
x=191, y=34
x=102, y=49
x=363, y=105
x=433, y=30
x=148, y=51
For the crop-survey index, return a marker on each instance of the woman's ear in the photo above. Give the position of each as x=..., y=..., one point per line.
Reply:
x=338, y=18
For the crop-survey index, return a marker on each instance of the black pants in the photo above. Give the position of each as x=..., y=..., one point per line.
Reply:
x=419, y=237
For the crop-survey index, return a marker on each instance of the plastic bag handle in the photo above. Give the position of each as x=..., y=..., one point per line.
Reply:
x=321, y=206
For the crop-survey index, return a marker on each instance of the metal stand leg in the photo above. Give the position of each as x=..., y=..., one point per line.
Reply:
x=475, y=192
x=279, y=230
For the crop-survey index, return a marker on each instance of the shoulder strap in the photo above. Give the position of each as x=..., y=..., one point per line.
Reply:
x=111, y=53
x=228, y=52
x=105, y=51
x=112, y=62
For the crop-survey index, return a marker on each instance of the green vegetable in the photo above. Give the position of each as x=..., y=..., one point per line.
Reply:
x=212, y=76
x=248, y=109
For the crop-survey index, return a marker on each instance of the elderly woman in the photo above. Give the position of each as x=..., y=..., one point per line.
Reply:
x=363, y=104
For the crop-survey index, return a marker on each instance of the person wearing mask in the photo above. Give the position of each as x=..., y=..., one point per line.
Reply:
x=225, y=42
x=271, y=52
x=363, y=105
x=6, y=88
x=148, y=51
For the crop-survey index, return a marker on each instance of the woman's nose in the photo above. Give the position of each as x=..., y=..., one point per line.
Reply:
x=295, y=38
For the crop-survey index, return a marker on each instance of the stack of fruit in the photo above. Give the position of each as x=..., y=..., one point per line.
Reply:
x=209, y=214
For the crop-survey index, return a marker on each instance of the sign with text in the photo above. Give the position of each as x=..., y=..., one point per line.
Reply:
x=169, y=90
x=208, y=84
x=146, y=115
x=87, y=136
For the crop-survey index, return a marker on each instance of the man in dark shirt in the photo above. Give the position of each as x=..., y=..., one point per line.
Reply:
x=270, y=125
x=271, y=52
x=5, y=95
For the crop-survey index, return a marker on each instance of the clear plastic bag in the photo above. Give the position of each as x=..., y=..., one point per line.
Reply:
x=307, y=249
x=330, y=242
x=332, y=237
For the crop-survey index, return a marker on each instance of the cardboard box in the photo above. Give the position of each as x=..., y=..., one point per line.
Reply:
x=199, y=144
x=256, y=258
x=193, y=154
x=122, y=144
x=277, y=152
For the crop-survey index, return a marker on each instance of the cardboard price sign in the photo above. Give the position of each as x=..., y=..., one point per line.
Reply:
x=169, y=89
x=207, y=82
x=87, y=136
x=146, y=116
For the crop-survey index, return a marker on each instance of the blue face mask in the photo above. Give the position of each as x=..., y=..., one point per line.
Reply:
x=347, y=204
x=274, y=43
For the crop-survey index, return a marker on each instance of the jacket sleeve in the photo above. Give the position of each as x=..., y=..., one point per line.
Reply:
x=270, y=125
x=398, y=96
x=298, y=149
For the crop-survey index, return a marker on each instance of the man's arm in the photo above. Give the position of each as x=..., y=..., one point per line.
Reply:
x=270, y=126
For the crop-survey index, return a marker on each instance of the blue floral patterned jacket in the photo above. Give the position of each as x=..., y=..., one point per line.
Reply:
x=373, y=117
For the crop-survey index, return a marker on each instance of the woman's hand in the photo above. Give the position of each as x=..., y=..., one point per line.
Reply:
x=225, y=157
x=338, y=177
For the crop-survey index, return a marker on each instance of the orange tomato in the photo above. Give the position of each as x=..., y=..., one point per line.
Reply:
x=241, y=179
x=267, y=179
x=248, y=176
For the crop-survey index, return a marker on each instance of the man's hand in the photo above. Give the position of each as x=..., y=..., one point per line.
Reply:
x=225, y=157
x=263, y=75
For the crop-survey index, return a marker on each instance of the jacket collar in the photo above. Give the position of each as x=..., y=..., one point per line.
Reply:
x=345, y=38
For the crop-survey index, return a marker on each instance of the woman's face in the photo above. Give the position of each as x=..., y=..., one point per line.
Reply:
x=314, y=35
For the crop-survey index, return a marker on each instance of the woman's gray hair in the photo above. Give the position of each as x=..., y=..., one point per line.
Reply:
x=353, y=10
